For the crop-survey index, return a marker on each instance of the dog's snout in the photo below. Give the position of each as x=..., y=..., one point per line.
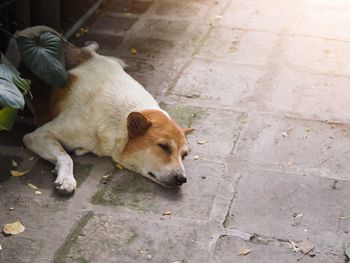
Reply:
x=180, y=179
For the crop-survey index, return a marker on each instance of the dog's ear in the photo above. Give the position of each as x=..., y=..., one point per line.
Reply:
x=138, y=124
x=188, y=131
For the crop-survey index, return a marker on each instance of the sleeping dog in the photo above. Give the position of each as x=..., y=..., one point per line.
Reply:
x=103, y=110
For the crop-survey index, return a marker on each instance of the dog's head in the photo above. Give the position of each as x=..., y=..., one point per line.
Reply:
x=156, y=147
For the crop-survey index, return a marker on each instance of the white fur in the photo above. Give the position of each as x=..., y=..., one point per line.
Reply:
x=93, y=117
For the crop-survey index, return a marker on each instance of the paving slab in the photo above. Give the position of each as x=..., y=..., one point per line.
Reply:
x=266, y=15
x=205, y=141
x=45, y=215
x=290, y=144
x=119, y=238
x=227, y=250
x=215, y=83
x=324, y=19
x=267, y=204
x=236, y=45
x=192, y=200
x=308, y=95
x=317, y=55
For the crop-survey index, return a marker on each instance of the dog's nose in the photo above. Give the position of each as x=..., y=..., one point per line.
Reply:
x=180, y=179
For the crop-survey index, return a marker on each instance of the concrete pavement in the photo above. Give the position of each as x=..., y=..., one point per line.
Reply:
x=265, y=83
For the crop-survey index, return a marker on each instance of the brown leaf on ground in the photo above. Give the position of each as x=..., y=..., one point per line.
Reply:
x=119, y=166
x=298, y=215
x=306, y=247
x=202, y=142
x=34, y=187
x=167, y=213
x=244, y=251
x=294, y=245
x=13, y=228
x=18, y=173
x=14, y=164
x=133, y=51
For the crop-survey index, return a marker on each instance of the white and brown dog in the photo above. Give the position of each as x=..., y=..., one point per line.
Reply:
x=103, y=110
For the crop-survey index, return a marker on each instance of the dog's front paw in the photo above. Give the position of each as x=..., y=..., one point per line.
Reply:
x=66, y=184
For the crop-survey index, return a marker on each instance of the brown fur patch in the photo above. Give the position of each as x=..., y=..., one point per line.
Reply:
x=162, y=130
x=58, y=95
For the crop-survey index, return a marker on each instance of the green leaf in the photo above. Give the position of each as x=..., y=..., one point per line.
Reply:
x=7, y=70
x=10, y=95
x=45, y=58
x=7, y=118
x=22, y=84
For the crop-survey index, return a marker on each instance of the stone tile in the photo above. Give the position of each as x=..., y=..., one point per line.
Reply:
x=129, y=7
x=193, y=200
x=325, y=19
x=105, y=41
x=218, y=83
x=211, y=125
x=149, y=48
x=153, y=74
x=310, y=95
x=177, y=9
x=114, y=23
x=267, y=15
x=227, y=250
x=46, y=215
x=267, y=200
x=236, y=45
x=317, y=55
x=313, y=147
x=186, y=35
x=118, y=238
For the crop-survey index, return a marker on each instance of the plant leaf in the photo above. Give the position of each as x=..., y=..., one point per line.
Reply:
x=22, y=84
x=10, y=96
x=7, y=118
x=45, y=58
x=7, y=70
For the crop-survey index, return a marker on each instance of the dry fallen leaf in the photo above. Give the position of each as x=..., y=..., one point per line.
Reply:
x=133, y=51
x=31, y=158
x=307, y=129
x=306, y=247
x=244, y=251
x=18, y=173
x=290, y=163
x=202, y=142
x=167, y=213
x=294, y=245
x=0, y=247
x=119, y=166
x=284, y=134
x=30, y=185
x=343, y=217
x=298, y=215
x=14, y=164
x=179, y=261
x=37, y=192
x=196, y=157
x=13, y=229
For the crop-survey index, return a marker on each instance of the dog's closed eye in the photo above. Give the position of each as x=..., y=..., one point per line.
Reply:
x=166, y=147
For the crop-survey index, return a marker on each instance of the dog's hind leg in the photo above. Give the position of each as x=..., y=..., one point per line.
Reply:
x=44, y=143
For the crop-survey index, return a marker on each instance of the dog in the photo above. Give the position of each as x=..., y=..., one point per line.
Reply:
x=104, y=111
